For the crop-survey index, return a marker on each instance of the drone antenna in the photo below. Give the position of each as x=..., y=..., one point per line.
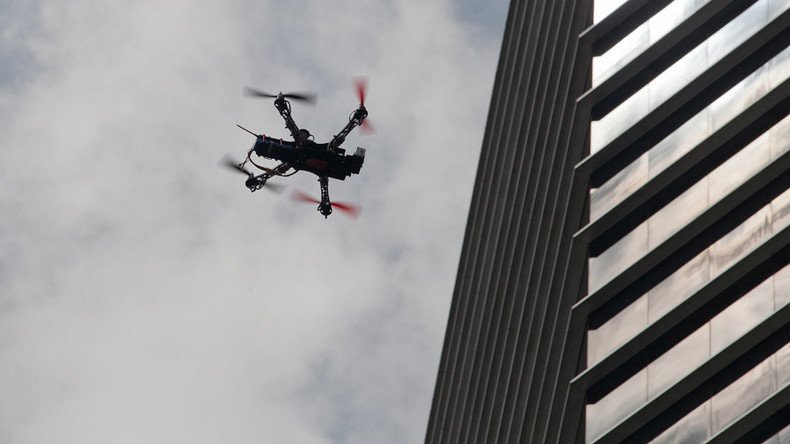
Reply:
x=245, y=129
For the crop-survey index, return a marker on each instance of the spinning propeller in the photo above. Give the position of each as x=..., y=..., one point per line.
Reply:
x=361, y=85
x=350, y=209
x=230, y=163
x=303, y=96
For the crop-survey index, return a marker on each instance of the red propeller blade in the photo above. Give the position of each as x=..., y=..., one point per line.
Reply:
x=361, y=84
x=366, y=127
x=303, y=197
x=350, y=209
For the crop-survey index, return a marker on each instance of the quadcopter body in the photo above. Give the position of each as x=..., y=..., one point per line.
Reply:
x=316, y=158
x=325, y=160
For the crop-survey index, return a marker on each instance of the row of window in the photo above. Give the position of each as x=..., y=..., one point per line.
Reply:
x=751, y=309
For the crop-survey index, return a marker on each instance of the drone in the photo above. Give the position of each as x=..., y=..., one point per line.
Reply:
x=325, y=160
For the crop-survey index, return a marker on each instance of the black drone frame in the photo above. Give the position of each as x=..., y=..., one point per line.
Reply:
x=301, y=148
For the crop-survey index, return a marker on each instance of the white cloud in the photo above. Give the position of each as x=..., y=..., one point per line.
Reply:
x=148, y=297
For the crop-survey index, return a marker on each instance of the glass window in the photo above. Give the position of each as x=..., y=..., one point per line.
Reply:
x=739, y=168
x=738, y=30
x=666, y=84
x=783, y=366
x=737, y=242
x=782, y=288
x=779, y=68
x=692, y=428
x=676, y=76
x=678, y=286
x=678, y=213
x=719, y=183
x=618, y=404
x=628, y=180
x=780, y=138
x=617, y=121
x=605, y=7
x=728, y=325
x=776, y=7
x=642, y=37
x=727, y=405
x=691, y=133
x=618, y=257
x=743, y=394
x=743, y=315
x=678, y=362
x=772, y=440
x=739, y=97
x=723, y=109
x=615, y=332
x=621, y=53
x=680, y=142
x=717, y=413
x=670, y=17
x=784, y=436
x=780, y=212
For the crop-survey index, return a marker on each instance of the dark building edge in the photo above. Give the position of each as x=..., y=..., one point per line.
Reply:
x=511, y=272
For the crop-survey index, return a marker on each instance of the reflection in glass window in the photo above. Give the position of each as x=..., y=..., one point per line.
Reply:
x=740, y=167
x=679, y=74
x=618, y=257
x=628, y=180
x=695, y=200
x=743, y=394
x=738, y=30
x=617, y=121
x=678, y=362
x=678, y=286
x=782, y=288
x=783, y=366
x=688, y=67
x=641, y=38
x=680, y=142
x=738, y=98
x=676, y=214
x=685, y=281
x=620, y=54
x=784, y=436
x=779, y=68
x=603, y=8
x=622, y=327
x=776, y=7
x=780, y=138
x=693, y=351
x=694, y=131
x=737, y=242
x=671, y=16
x=623, y=400
x=742, y=316
x=780, y=216
x=733, y=401
x=752, y=308
x=692, y=428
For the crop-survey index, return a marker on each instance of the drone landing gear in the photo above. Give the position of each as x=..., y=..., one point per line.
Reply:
x=325, y=207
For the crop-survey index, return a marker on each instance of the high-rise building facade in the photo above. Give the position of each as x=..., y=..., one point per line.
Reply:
x=624, y=275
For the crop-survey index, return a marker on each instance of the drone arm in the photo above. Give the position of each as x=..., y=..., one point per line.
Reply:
x=284, y=108
x=325, y=208
x=255, y=183
x=356, y=119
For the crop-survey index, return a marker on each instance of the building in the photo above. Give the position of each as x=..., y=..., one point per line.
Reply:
x=624, y=275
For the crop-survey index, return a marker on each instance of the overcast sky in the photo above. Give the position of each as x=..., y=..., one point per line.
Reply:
x=147, y=297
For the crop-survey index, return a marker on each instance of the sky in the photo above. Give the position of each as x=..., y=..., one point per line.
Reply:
x=146, y=296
